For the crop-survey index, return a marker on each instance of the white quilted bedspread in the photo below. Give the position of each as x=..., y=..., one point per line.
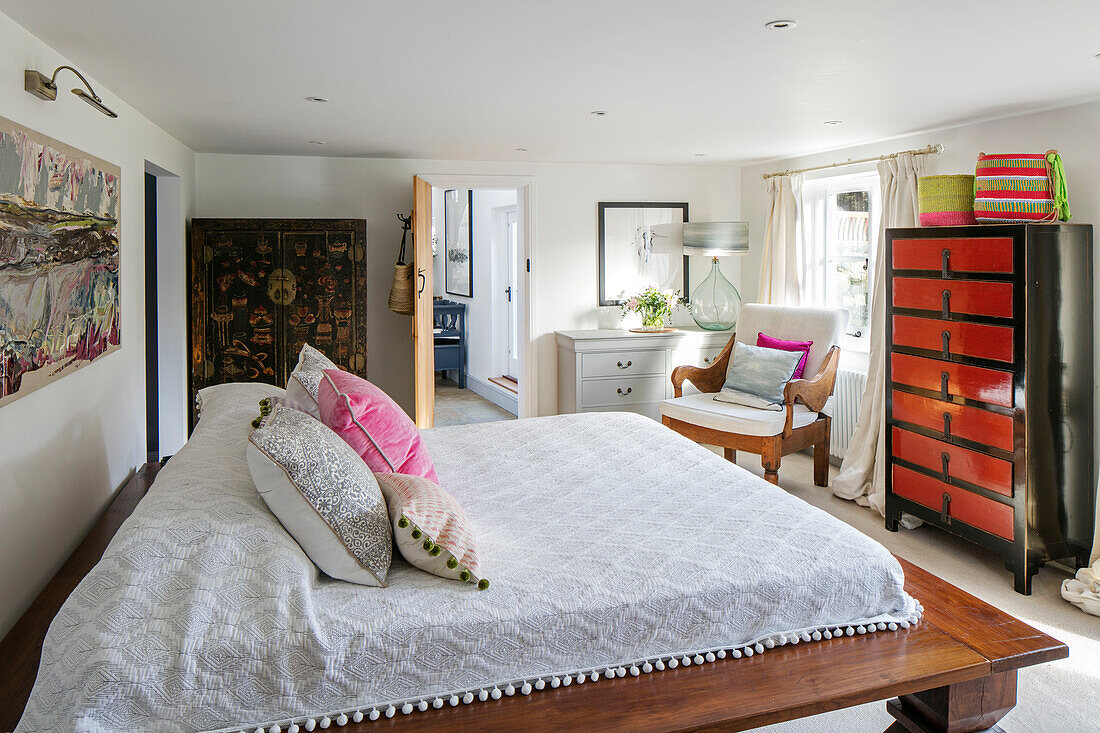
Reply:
x=608, y=539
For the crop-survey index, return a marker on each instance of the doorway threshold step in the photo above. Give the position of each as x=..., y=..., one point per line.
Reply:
x=506, y=382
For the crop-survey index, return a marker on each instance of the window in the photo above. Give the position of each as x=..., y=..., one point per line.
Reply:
x=840, y=221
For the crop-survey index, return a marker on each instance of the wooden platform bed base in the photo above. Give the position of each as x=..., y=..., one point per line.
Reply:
x=954, y=671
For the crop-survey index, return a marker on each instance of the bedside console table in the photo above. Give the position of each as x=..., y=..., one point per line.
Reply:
x=606, y=370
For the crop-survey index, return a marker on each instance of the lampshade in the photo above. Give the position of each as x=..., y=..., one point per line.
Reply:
x=667, y=239
x=716, y=238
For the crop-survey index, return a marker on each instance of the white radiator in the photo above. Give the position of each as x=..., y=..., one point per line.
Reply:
x=848, y=394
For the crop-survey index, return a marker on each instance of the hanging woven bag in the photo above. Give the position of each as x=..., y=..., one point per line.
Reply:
x=403, y=290
x=1020, y=187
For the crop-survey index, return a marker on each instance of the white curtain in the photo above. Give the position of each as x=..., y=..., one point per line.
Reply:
x=862, y=475
x=1083, y=591
x=781, y=271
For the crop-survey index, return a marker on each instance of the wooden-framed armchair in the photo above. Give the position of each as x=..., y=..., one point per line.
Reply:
x=804, y=420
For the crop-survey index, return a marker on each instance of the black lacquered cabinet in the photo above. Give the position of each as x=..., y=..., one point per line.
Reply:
x=989, y=387
x=260, y=288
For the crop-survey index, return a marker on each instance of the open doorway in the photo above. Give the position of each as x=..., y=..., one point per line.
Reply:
x=166, y=359
x=478, y=261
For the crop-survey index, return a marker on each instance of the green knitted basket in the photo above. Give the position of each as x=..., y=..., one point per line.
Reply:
x=946, y=200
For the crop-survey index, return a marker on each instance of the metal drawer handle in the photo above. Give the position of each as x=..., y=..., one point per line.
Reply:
x=946, y=336
x=624, y=366
x=706, y=360
x=947, y=426
x=944, y=508
x=945, y=263
x=944, y=376
x=624, y=394
x=946, y=304
x=946, y=466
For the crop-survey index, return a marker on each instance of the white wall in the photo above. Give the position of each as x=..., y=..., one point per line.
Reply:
x=1072, y=130
x=564, y=219
x=438, y=272
x=480, y=313
x=173, y=361
x=66, y=447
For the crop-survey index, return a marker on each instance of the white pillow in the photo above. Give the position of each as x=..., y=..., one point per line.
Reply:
x=306, y=378
x=324, y=495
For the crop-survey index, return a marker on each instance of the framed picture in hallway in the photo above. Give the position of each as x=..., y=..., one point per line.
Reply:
x=59, y=260
x=458, y=231
x=635, y=251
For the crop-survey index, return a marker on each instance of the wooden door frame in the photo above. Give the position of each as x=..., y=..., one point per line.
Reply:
x=527, y=402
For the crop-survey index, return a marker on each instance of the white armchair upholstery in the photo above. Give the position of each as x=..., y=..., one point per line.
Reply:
x=823, y=326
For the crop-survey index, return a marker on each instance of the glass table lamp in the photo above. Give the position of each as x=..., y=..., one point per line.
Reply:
x=715, y=304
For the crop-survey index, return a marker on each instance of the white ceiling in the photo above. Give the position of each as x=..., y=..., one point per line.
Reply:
x=476, y=79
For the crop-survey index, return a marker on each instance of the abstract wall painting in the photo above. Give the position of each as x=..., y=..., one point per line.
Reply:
x=59, y=260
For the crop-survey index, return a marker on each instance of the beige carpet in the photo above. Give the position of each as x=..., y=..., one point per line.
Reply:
x=1058, y=697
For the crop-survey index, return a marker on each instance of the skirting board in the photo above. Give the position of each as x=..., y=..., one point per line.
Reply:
x=499, y=397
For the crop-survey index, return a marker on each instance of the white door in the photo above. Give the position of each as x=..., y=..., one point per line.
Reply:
x=514, y=278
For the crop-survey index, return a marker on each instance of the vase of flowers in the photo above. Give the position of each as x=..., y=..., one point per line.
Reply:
x=654, y=305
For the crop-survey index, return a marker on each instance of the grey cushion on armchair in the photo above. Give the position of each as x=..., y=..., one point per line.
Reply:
x=757, y=375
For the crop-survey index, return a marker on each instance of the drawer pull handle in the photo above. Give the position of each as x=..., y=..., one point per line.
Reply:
x=944, y=377
x=946, y=467
x=945, y=263
x=706, y=360
x=624, y=366
x=944, y=508
x=946, y=303
x=946, y=336
x=947, y=426
x=624, y=394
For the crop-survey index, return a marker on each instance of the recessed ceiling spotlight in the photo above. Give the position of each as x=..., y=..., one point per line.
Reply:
x=318, y=142
x=598, y=113
x=780, y=25
x=833, y=123
x=320, y=100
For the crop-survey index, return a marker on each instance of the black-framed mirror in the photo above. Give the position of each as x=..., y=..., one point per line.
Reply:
x=633, y=255
x=458, y=242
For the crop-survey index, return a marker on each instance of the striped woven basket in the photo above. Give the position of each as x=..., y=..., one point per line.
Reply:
x=946, y=200
x=1020, y=187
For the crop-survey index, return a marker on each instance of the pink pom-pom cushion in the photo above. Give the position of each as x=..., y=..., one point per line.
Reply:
x=430, y=528
x=769, y=342
x=373, y=424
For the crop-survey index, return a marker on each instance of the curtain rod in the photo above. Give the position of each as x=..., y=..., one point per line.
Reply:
x=929, y=150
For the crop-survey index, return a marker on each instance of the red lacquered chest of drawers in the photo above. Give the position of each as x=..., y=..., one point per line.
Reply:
x=989, y=379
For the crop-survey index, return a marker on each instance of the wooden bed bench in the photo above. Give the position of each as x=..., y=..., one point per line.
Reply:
x=954, y=671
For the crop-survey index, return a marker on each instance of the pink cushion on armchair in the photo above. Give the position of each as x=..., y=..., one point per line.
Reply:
x=372, y=423
x=769, y=342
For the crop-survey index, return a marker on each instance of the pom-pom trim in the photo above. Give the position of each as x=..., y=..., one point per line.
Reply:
x=429, y=545
x=634, y=668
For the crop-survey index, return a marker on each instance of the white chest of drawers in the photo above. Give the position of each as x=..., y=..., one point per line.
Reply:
x=606, y=370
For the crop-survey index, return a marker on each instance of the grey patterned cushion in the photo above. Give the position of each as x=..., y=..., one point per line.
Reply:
x=305, y=380
x=760, y=371
x=324, y=495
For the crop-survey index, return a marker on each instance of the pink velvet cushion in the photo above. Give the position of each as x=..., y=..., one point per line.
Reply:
x=768, y=342
x=372, y=423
